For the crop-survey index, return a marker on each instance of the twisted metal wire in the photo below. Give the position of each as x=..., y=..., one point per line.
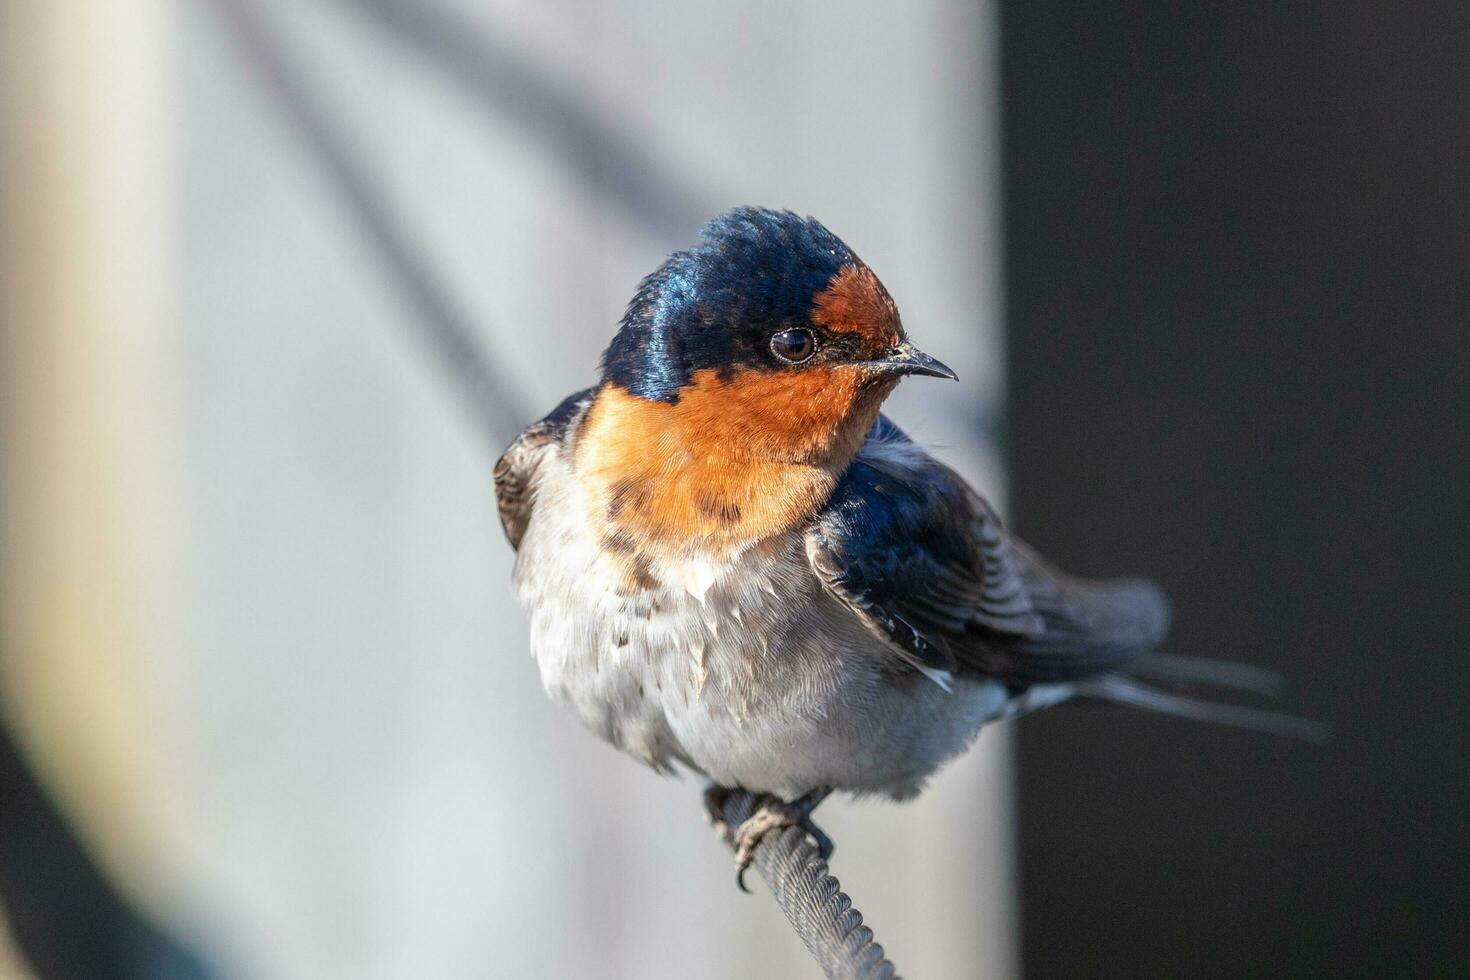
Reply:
x=813, y=900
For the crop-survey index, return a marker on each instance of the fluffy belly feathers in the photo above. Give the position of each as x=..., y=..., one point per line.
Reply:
x=745, y=670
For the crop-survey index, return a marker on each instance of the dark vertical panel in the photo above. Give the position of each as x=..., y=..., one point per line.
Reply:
x=1239, y=292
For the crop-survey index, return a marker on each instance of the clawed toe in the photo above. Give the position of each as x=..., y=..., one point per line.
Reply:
x=819, y=836
x=772, y=815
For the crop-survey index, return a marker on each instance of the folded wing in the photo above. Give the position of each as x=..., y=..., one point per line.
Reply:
x=924, y=562
x=515, y=471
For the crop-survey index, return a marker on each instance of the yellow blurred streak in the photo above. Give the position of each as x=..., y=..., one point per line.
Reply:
x=89, y=515
x=12, y=966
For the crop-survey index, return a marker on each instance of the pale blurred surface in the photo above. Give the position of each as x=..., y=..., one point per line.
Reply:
x=362, y=775
x=12, y=966
x=93, y=603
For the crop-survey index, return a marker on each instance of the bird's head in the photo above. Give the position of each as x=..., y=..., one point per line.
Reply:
x=771, y=332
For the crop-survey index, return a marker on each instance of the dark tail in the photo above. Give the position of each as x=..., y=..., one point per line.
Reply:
x=1171, y=668
x=1132, y=689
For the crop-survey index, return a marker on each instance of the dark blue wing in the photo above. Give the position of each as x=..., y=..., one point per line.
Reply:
x=925, y=563
x=516, y=468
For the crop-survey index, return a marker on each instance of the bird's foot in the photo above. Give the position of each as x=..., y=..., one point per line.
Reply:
x=714, y=811
x=771, y=815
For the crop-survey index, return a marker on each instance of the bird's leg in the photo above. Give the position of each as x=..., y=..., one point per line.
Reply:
x=715, y=797
x=772, y=814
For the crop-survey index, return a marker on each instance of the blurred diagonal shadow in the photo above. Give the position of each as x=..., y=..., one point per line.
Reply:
x=66, y=918
x=446, y=331
x=601, y=152
x=501, y=81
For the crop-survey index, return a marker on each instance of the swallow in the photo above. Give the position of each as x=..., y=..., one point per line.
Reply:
x=733, y=563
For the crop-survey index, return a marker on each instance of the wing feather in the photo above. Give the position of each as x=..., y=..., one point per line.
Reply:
x=927, y=566
x=515, y=471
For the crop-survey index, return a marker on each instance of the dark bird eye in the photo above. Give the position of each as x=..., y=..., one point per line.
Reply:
x=794, y=346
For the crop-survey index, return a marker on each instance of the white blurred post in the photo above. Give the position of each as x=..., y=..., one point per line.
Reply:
x=89, y=405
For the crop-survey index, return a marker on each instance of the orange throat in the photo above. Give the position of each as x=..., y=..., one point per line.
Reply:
x=736, y=460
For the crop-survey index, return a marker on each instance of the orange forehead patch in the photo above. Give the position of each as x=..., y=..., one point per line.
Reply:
x=856, y=302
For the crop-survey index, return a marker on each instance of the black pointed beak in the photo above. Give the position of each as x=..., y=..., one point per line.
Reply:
x=908, y=359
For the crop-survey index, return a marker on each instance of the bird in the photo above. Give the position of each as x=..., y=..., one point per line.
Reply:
x=733, y=563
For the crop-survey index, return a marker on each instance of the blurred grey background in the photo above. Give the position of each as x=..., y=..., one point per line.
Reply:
x=360, y=774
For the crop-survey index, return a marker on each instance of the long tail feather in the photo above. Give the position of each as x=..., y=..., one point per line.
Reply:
x=1171, y=668
x=1122, y=689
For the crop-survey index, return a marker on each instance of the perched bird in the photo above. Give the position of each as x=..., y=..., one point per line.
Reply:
x=733, y=562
